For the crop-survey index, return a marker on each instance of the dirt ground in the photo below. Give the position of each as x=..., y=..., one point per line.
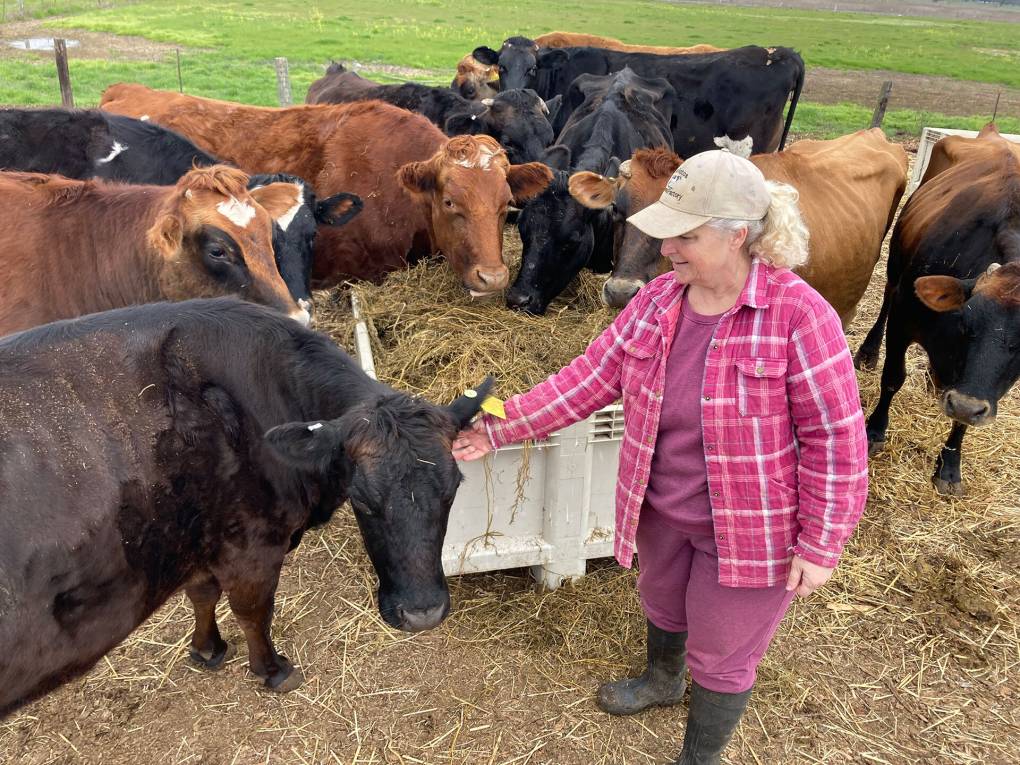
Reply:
x=94, y=45
x=909, y=655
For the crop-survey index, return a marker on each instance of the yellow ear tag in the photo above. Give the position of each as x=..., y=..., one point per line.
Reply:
x=494, y=406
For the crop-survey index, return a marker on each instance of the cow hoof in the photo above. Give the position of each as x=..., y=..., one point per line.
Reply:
x=948, y=488
x=214, y=660
x=866, y=359
x=876, y=446
x=286, y=680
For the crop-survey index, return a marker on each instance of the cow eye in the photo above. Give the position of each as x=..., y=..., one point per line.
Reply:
x=216, y=252
x=448, y=202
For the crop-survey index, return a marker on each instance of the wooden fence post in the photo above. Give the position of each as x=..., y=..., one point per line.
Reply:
x=283, y=81
x=883, y=102
x=180, y=82
x=60, y=54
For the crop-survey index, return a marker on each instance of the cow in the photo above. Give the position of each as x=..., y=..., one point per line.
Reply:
x=726, y=98
x=849, y=189
x=620, y=114
x=474, y=80
x=518, y=119
x=423, y=193
x=577, y=40
x=71, y=247
x=85, y=144
x=953, y=286
x=190, y=446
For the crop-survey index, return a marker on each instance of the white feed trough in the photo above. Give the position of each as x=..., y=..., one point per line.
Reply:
x=929, y=137
x=553, y=515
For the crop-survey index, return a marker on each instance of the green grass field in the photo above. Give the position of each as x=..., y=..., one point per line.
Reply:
x=229, y=46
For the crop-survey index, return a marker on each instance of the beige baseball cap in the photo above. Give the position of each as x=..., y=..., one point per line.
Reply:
x=713, y=184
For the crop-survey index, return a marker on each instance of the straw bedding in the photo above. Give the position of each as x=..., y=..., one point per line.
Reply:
x=910, y=654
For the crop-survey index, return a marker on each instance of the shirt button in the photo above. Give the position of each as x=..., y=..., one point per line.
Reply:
x=759, y=369
x=649, y=439
x=715, y=346
x=722, y=536
x=715, y=494
x=708, y=398
x=710, y=448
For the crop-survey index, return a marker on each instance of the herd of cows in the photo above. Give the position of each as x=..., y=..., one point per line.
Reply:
x=151, y=446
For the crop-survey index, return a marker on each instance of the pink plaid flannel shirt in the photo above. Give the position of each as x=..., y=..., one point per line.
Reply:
x=784, y=438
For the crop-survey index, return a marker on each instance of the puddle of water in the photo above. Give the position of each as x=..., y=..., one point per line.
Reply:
x=39, y=43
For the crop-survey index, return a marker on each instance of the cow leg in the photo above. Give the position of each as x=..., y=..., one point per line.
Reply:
x=867, y=354
x=894, y=372
x=947, y=478
x=208, y=649
x=252, y=604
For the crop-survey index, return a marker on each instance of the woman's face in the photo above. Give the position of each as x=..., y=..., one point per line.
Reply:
x=700, y=256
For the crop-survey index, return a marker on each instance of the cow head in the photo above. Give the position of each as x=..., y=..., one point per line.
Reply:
x=475, y=80
x=215, y=239
x=466, y=187
x=559, y=237
x=639, y=183
x=517, y=62
x=294, y=231
x=518, y=119
x=391, y=456
x=989, y=309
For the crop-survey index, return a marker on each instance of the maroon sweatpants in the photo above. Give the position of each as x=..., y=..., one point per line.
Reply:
x=729, y=628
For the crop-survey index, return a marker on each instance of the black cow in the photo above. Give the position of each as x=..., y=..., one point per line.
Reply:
x=518, y=119
x=722, y=98
x=620, y=114
x=84, y=144
x=191, y=445
x=954, y=287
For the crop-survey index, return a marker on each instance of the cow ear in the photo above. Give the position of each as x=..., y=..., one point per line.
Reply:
x=943, y=293
x=592, y=190
x=612, y=167
x=552, y=107
x=464, y=123
x=483, y=54
x=279, y=199
x=338, y=209
x=466, y=407
x=557, y=157
x=528, y=180
x=166, y=235
x=418, y=177
x=308, y=446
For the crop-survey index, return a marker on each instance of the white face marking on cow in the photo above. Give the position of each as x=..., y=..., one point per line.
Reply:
x=285, y=220
x=305, y=304
x=302, y=317
x=485, y=155
x=117, y=149
x=144, y=118
x=238, y=213
x=741, y=148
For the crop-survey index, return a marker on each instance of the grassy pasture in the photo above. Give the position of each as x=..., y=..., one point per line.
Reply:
x=228, y=51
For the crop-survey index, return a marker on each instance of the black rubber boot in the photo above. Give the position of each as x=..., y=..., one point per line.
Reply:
x=711, y=720
x=662, y=683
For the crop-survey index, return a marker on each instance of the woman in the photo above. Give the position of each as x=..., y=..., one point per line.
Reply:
x=743, y=469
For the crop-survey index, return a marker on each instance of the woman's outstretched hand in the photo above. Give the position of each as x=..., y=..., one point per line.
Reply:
x=472, y=443
x=806, y=577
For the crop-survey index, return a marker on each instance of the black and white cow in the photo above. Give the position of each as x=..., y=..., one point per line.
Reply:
x=190, y=446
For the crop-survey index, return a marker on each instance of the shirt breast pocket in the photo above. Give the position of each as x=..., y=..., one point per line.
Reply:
x=761, y=386
x=637, y=366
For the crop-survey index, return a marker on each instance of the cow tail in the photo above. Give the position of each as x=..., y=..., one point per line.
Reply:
x=793, y=101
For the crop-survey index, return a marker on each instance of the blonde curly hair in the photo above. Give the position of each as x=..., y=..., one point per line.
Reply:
x=780, y=238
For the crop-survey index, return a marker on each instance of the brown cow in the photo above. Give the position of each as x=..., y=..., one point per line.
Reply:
x=69, y=248
x=577, y=39
x=423, y=193
x=849, y=190
x=475, y=80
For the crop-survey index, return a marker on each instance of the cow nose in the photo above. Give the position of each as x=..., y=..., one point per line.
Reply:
x=525, y=302
x=966, y=409
x=490, y=280
x=616, y=293
x=416, y=620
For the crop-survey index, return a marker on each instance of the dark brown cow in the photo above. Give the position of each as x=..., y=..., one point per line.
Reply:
x=577, y=39
x=954, y=287
x=71, y=247
x=849, y=190
x=423, y=193
x=191, y=445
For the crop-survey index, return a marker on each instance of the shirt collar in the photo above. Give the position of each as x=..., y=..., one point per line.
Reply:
x=754, y=294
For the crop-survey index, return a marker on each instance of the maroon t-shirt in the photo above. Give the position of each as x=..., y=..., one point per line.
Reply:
x=678, y=483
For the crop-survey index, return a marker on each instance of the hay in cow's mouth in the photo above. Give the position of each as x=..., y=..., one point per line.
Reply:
x=430, y=337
